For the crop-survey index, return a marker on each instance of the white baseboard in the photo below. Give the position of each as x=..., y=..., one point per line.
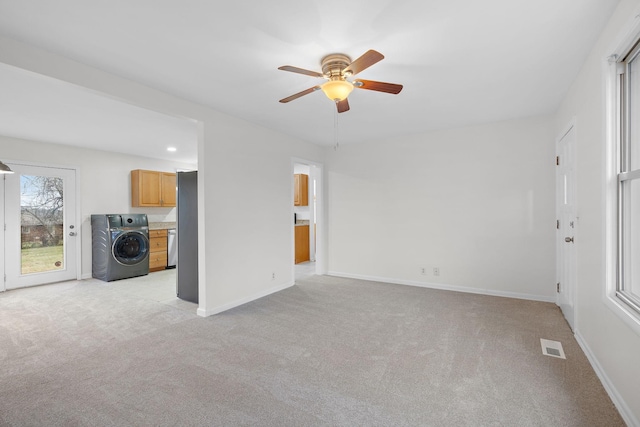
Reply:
x=618, y=401
x=626, y=413
x=219, y=309
x=445, y=287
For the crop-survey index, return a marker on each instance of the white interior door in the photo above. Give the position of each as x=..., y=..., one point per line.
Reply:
x=40, y=236
x=566, y=225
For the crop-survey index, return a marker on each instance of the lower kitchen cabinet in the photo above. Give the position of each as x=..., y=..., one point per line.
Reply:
x=157, y=250
x=302, y=243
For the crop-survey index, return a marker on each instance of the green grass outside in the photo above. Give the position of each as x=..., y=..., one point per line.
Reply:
x=38, y=260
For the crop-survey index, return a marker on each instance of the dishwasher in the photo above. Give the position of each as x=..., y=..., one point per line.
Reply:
x=172, y=248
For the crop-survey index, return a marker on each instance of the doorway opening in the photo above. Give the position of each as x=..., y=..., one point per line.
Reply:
x=307, y=219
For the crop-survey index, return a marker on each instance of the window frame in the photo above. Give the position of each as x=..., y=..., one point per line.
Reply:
x=616, y=132
x=625, y=175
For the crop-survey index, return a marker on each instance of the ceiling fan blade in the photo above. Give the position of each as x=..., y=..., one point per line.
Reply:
x=299, y=94
x=378, y=86
x=369, y=58
x=343, y=105
x=300, y=71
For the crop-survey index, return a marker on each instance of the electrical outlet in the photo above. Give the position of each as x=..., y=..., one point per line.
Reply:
x=436, y=271
x=273, y=276
x=423, y=271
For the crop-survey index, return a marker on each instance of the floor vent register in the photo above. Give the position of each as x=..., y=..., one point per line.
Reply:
x=552, y=348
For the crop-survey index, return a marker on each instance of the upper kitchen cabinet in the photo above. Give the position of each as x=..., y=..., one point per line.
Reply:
x=153, y=188
x=301, y=190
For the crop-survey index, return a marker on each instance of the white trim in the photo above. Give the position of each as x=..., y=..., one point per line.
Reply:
x=626, y=38
x=625, y=176
x=625, y=42
x=202, y=223
x=3, y=284
x=77, y=170
x=321, y=224
x=618, y=401
x=455, y=288
x=79, y=221
x=219, y=309
x=570, y=126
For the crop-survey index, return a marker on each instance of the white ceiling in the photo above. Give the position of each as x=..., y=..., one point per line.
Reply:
x=461, y=62
x=40, y=108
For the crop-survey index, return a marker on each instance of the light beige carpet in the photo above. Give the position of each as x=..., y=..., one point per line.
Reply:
x=327, y=351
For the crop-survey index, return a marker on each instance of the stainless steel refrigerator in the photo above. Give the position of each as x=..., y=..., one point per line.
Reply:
x=187, y=236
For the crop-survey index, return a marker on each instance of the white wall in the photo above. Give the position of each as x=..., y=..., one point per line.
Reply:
x=242, y=168
x=614, y=348
x=103, y=181
x=476, y=202
x=250, y=213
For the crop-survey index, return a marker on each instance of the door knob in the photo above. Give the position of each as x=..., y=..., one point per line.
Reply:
x=72, y=233
x=568, y=239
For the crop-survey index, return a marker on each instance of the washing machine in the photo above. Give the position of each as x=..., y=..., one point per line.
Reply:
x=120, y=246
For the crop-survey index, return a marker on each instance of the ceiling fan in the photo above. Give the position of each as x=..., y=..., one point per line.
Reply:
x=337, y=68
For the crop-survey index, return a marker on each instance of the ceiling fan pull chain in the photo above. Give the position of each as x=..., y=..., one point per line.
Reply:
x=335, y=130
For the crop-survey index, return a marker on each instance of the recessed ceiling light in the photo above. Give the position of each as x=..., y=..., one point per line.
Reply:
x=172, y=149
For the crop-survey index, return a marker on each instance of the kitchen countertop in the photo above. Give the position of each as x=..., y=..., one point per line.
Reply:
x=302, y=222
x=161, y=225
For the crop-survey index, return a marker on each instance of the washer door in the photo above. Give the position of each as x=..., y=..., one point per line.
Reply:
x=130, y=248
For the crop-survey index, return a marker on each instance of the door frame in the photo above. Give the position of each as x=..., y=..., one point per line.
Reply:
x=567, y=289
x=320, y=237
x=78, y=210
x=3, y=283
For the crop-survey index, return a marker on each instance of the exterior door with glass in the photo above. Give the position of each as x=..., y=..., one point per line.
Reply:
x=40, y=233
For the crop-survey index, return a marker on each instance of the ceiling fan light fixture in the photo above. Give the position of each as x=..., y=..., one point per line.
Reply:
x=337, y=68
x=337, y=90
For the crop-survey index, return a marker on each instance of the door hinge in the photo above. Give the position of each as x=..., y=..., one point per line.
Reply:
x=557, y=224
x=558, y=287
x=557, y=160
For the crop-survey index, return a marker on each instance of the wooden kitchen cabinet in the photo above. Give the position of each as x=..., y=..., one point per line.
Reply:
x=302, y=243
x=301, y=190
x=153, y=188
x=157, y=250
